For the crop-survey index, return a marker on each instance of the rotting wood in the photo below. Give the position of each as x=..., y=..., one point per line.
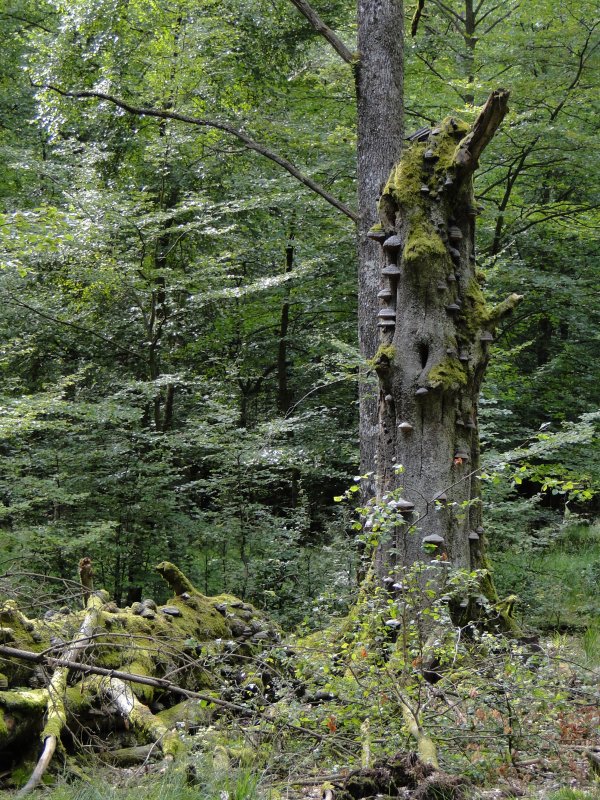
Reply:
x=56, y=714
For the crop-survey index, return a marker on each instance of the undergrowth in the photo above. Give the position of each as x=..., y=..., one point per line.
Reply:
x=557, y=585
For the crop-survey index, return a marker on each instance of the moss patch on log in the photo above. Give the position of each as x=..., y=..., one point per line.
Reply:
x=423, y=244
x=404, y=184
x=449, y=374
x=383, y=358
x=476, y=310
x=453, y=130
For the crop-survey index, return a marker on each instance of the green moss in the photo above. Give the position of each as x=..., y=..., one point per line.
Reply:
x=28, y=699
x=447, y=142
x=449, y=374
x=189, y=712
x=404, y=184
x=383, y=357
x=78, y=699
x=423, y=243
x=476, y=311
x=3, y=725
x=21, y=774
x=141, y=666
x=172, y=745
x=175, y=578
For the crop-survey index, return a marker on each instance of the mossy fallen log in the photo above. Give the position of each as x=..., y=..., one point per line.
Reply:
x=133, y=660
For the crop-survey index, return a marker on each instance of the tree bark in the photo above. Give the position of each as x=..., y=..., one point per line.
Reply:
x=380, y=124
x=435, y=331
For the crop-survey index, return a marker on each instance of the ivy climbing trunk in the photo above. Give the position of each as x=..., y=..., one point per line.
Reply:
x=435, y=334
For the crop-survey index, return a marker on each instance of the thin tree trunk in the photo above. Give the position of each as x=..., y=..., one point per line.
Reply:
x=379, y=89
x=283, y=390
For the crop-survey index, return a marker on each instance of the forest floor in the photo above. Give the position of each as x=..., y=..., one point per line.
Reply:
x=515, y=717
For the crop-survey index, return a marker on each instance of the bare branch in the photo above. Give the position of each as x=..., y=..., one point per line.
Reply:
x=486, y=125
x=317, y=23
x=202, y=122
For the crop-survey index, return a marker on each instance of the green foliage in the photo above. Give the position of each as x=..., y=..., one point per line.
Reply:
x=195, y=780
x=556, y=580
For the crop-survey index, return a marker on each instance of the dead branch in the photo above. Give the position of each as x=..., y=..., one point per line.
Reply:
x=57, y=714
x=414, y=26
x=482, y=132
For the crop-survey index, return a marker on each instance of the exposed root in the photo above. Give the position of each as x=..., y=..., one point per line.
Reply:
x=57, y=714
x=121, y=695
x=41, y=766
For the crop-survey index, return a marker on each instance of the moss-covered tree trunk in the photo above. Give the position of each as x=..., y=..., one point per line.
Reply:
x=435, y=334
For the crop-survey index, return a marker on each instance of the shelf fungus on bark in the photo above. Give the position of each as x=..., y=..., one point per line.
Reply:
x=421, y=391
x=405, y=427
x=470, y=423
x=385, y=294
x=433, y=540
x=387, y=323
x=462, y=454
x=431, y=156
x=486, y=336
x=463, y=356
x=392, y=270
x=377, y=234
x=453, y=308
x=405, y=506
x=392, y=243
x=425, y=190
x=473, y=536
x=455, y=233
x=454, y=254
x=441, y=498
x=451, y=277
x=387, y=313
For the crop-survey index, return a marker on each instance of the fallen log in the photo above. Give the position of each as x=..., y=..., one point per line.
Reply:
x=57, y=715
x=125, y=655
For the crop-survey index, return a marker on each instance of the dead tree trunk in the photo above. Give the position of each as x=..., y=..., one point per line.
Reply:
x=435, y=334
